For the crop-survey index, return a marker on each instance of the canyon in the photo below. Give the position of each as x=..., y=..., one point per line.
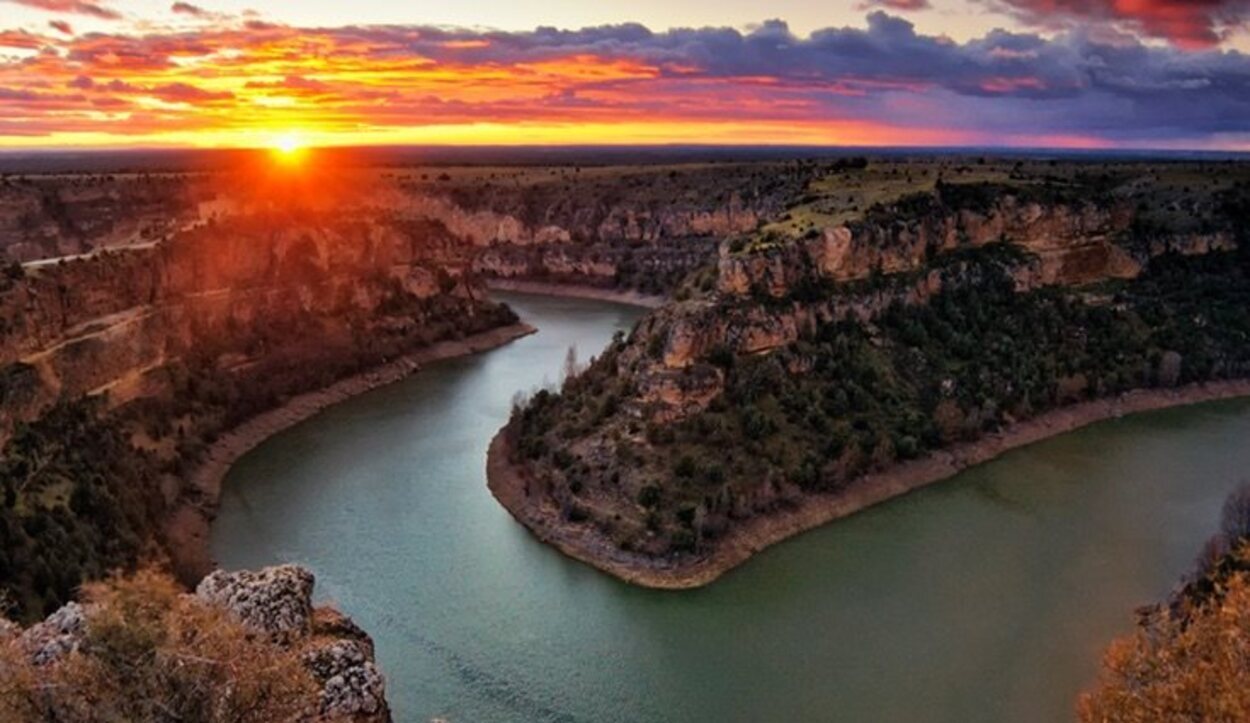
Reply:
x=818, y=338
x=840, y=365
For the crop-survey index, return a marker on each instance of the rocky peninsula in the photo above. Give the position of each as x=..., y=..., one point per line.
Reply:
x=839, y=366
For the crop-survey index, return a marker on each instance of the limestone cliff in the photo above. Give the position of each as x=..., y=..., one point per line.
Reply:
x=1073, y=242
x=43, y=217
x=114, y=323
x=640, y=228
x=119, y=371
x=651, y=268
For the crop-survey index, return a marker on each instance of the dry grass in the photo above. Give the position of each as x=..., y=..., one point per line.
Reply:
x=152, y=653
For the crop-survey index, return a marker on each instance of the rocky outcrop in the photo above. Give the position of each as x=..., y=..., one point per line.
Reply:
x=277, y=601
x=59, y=635
x=351, y=685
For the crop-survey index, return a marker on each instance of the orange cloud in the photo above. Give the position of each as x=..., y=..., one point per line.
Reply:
x=238, y=81
x=21, y=39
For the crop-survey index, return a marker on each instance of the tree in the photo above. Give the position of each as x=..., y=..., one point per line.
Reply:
x=571, y=368
x=1190, y=667
x=1235, y=516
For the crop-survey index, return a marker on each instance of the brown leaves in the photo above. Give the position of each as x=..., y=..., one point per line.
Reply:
x=1190, y=667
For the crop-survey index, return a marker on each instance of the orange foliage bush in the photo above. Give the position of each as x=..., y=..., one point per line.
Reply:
x=1193, y=666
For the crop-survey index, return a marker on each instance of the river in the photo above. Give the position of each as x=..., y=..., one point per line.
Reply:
x=988, y=597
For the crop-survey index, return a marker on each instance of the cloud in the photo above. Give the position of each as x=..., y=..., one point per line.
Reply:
x=194, y=11
x=1185, y=23
x=899, y=5
x=187, y=93
x=881, y=82
x=72, y=7
x=21, y=39
x=61, y=26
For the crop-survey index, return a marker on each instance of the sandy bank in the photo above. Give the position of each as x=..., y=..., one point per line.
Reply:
x=633, y=298
x=187, y=528
x=582, y=542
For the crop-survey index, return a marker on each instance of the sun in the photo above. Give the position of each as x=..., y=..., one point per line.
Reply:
x=288, y=145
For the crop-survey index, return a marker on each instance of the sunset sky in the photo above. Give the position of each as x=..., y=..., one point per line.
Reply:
x=1073, y=73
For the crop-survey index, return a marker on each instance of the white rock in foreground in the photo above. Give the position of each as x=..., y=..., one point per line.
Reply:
x=275, y=600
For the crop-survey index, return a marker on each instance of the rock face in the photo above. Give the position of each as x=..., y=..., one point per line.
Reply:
x=351, y=685
x=57, y=636
x=654, y=267
x=115, y=323
x=43, y=217
x=277, y=601
x=640, y=228
x=613, y=214
x=1073, y=243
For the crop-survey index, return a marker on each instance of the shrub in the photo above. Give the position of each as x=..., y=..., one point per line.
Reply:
x=649, y=496
x=152, y=653
x=1194, y=667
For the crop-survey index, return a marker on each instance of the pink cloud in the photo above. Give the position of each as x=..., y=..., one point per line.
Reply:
x=21, y=39
x=1185, y=23
x=72, y=7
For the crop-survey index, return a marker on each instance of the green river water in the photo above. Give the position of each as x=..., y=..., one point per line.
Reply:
x=984, y=598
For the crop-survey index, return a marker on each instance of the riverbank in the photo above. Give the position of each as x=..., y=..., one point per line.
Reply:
x=187, y=530
x=508, y=483
x=574, y=291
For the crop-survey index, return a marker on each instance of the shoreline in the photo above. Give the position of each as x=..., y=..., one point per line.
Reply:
x=576, y=291
x=187, y=526
x=584, y=543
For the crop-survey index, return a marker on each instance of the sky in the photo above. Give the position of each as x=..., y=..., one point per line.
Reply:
x=1167, y=74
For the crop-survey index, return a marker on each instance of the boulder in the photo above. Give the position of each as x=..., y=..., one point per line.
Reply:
x=351, y=685
x=57, y=636
x=276, y=600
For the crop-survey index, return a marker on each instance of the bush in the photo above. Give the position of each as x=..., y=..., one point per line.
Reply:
x=1235, y=516
x=151, y=653
x=649, y=496
x=1193, y=667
